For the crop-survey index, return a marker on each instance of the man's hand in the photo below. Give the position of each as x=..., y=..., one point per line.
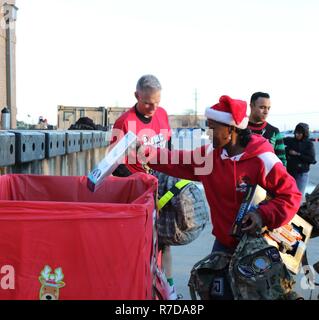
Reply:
x=145, y=153
x=141, y=152
x=252, y=223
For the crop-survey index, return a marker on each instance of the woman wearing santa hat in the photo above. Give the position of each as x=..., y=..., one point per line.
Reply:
x=239, y=159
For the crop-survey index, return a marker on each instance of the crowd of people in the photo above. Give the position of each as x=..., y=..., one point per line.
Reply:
x=245, y=150
x=42, y=123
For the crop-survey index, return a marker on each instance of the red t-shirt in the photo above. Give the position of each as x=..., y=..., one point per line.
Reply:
x=153, y=131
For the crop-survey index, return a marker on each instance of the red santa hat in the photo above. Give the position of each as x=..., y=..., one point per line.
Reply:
x=229, y=111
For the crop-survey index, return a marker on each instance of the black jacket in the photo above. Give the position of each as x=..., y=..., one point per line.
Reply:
x=299, y=164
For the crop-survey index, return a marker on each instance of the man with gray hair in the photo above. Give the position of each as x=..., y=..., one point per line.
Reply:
x=146, y=119
x=150, y=123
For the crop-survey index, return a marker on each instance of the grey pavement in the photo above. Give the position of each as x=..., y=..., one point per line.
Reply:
x=184, y=257
x=314, y=169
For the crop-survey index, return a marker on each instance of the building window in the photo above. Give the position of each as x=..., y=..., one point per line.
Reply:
x=67, y=115
x=184, y=122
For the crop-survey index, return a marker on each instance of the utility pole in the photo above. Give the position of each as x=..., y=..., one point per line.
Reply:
x=10, y=16
x=196, y=99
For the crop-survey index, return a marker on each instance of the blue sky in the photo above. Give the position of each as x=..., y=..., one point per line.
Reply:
x=91, y=53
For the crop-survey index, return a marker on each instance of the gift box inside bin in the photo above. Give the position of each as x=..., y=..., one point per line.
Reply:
x=62, y=241
x=291, y=240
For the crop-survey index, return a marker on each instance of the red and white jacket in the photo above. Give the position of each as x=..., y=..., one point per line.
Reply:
x=224, y=184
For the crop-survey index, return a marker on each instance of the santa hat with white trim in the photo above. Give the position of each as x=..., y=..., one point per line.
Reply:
x=229, y=111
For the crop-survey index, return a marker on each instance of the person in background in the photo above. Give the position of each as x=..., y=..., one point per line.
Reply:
x=259, y=109
x=42, y=124
x=300, y=154
x=239, y=159
x=150, y=123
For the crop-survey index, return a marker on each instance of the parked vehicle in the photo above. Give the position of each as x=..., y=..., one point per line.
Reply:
x=314, y=135
x=287, y=133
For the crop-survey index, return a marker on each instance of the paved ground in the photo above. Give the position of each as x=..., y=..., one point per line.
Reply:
x=186, y=256
x=314, y=169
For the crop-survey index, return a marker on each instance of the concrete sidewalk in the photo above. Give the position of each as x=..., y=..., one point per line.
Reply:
x=184, y=258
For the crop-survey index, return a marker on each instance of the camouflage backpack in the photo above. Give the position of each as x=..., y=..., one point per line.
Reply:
x=183, y=210
x=309, y=211
x=257, y=272
x=209, y=278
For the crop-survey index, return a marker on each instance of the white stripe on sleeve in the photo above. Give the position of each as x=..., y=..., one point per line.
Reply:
x=269, y=159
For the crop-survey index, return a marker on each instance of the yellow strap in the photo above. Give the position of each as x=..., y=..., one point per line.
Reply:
x=169, y=195
x=181, y=184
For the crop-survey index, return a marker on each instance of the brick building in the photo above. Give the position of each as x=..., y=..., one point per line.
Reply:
x=68, y=115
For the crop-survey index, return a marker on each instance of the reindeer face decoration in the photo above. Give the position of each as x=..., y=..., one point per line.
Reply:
x=51, y=283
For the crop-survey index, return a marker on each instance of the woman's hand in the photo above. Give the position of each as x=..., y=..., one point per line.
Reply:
x=252, y=223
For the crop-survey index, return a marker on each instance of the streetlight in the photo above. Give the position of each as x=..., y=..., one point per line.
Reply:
x=9, y=12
